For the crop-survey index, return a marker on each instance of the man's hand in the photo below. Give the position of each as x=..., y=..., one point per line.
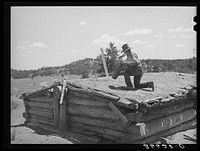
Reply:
x=120, y=57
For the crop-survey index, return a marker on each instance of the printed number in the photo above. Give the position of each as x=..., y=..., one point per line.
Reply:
x=157, y=145
x=165, y=146
x=171, y=146
x=146, y=146
x=181, y=146
x=152, y=145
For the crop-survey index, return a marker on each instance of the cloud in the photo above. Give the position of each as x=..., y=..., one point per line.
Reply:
x=149, y=47
x=54, y=52
x=173, y=36
x=179, y=45
x=188, y=36
x=159, y=36
x=74, y=51
x=181, y=29
x=106, y=39
x=37, y=45
x=139, y=42
x=82, y=23
x=21, y=47
x=137, y=31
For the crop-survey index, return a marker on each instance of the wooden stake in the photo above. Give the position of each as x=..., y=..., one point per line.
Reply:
x=121, y=116
x=104, y=62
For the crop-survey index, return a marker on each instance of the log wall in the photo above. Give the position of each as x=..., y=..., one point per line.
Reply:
x=91, y=112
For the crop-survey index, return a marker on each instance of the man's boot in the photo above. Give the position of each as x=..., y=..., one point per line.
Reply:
x=151, y=85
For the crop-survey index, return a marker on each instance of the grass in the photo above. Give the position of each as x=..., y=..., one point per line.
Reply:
x=19, y=86
x=14, y=103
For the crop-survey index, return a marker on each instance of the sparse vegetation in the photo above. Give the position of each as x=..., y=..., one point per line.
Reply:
x=14, y=103
x=85, y=66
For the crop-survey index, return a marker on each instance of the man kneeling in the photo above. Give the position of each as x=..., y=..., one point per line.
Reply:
x=133, y=68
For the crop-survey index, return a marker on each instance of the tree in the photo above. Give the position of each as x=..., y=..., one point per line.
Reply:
x=110, y=57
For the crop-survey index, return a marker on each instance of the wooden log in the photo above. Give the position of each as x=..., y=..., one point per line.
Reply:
x=158, y=112
x=56, y=113
x=181, y=127
x=112, y=124
x=41, y=125
x=37, y=93
x=26, y=107
x=105, y=95
x=136, y=116
x=126, y=103
x=57, y=92
x=40, y=117
x=40, y=113
x=165, y=111
x=42, y=91
x=157, y=99
x=42, y=105
x=118, y=113
x=104, y=63
x=171, y=101
x=42, y=99
x=158, y=125
x=99, y=130
x=86, y=101
x=84, y=139
x=91, y=111
x=63, y=115
x=37, y=120
x=78, y=94
x=83, y=131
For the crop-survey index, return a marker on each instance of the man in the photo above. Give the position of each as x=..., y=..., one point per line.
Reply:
x=133, y=68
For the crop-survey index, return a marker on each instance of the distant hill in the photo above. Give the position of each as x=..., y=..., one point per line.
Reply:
x=91, y=66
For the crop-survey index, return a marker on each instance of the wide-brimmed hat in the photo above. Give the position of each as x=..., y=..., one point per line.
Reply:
x=125, y=47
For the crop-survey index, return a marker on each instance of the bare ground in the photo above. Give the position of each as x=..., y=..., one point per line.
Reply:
x=165, y=83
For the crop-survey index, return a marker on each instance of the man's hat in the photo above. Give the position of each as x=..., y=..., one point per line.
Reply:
x=125, y=47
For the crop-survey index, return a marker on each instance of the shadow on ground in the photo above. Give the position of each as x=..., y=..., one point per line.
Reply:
x=125, y=88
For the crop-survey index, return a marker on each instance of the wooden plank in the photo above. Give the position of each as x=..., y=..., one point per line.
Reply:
x=105, y=95
x=56, y=113
x=87, y=101
x=156, y=113
x=37, y=120
x=126, y=103
x=111, y=124
x=26, y=107
x=157, y=99
x=118, y=113
x=42, y=99
x=57, y=92
x=104, y=62
x=136, y=116
x=83, y=131
x=41, y=113
x=91, y=111
x=40, y=117
x=181, y=127
x=40, y=105
x=63, y=115
x=41, y=91
x=161, y=124
x=44, y=126
x=100, y=130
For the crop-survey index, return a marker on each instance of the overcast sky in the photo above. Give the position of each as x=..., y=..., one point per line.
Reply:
x=55, y=36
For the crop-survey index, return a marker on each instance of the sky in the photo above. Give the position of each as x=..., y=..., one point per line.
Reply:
x=44, y=36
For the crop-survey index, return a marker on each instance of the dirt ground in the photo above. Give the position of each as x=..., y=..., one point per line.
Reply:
x=26, y=135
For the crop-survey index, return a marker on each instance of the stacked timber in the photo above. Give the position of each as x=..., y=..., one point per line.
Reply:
x=99, y=114
x=41, y=107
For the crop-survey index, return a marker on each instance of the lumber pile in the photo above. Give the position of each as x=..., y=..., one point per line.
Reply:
x=99, y=114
